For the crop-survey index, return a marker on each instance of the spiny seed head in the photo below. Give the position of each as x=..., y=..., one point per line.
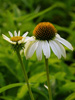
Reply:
x=16, y=38
x=44, y=31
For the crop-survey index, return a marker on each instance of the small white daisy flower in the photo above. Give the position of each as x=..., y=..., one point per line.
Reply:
x=16, y=38
x=46, y=38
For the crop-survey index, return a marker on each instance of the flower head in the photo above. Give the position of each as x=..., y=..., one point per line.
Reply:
x=16, y=38
x=46, y=37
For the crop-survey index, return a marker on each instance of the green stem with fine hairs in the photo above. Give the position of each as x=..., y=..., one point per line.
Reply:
x=25, y=74
x=48, y=80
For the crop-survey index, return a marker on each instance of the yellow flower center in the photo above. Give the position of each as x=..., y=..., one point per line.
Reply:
x=16, y=38
x=44, y=31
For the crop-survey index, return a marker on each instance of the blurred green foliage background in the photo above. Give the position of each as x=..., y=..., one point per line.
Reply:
x=24, y=15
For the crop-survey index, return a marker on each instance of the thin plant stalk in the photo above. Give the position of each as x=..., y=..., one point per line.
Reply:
x=25, y=74
x=48, y=80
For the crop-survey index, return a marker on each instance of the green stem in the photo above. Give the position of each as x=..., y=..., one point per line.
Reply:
x=48, y=80
x=25, y=74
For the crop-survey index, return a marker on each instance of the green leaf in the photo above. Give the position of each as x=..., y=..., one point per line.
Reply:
x=2, y=81
x=66, y=69
x=6, y=98
x=63, y=29
x=70, y=86
x=3, y=60
x=36, y=79
x=41, y=93
x=10, y=86
x=22, y=91
x=61, y=5
x=71, y=97
x=60, y=76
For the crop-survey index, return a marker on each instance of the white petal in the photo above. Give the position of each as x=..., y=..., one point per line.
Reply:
x=27, y=45
x=18, y=33
x=46, y=86
x=22, y=41
x=11, y=35
x=57, y=35
x=29, y=39
x=55, y=48
x=7, y=39
x=63, y=52
x=63, y=41
x=46, y=49
x=39, y=51
x=25, y=34
x=15, y=33
x=31, y=49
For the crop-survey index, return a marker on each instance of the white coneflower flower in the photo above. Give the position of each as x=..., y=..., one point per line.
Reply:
x=46, y=37
x=16, y=38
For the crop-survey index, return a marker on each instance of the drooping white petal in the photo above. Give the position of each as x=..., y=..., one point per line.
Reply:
x=39, y=51
x=57, y=35
x=15, y=33
x=31, y=49
x=29, y=39
x=18, y=33
x=25, y=34
x=63, y=41
x=46, y=48
x=27, y=45
x=11, y=35
x=55, y=49
x=63, y=52
x=26, y=39
x=7, y=39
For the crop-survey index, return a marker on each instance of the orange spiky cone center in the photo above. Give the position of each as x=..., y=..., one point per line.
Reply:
x=16, y=38
x=44, y=31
